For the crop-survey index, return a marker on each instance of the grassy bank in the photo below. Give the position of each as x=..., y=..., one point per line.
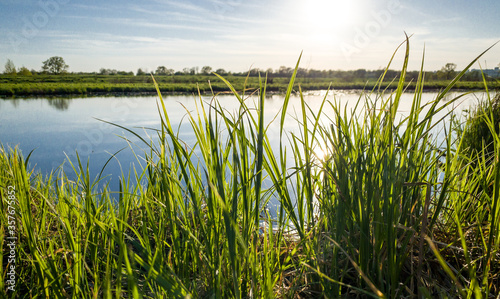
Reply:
x=388, y=213
x=87, y=84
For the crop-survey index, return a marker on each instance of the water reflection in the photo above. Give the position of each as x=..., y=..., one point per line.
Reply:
x=59, y=104
x=59, y=127
x=13, y=102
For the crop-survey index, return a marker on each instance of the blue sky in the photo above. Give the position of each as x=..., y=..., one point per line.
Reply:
x=237, y=35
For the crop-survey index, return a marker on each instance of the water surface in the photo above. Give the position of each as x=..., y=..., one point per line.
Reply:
x=57, y=129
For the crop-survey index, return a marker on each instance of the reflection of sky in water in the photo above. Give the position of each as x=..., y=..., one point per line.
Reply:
x=59, y=127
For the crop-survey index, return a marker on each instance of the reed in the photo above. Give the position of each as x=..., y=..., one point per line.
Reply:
x=387, y=212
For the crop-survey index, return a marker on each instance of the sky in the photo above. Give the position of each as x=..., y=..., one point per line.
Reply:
x=238, y=35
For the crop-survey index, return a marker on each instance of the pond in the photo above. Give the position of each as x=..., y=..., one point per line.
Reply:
x=56, y=129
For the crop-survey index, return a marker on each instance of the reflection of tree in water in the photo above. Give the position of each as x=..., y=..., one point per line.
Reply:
x=14, y=102
x=59, y=104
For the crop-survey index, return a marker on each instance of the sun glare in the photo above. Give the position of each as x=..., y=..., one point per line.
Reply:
x=328, y=14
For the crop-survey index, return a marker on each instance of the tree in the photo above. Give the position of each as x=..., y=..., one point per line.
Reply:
x=140, y=72
x=104, y=71
x=55, y=65
x=221, y=71
x=161, y=70
x=24, y=71
x=206, y=70
x=254, y=72
x=449, y=70
x=302, y=72
x=10, y=68
x=360, y=74
x=284, y=71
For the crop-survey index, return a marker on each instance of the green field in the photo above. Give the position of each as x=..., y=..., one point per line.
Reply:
x=389, y=212
x=96, y=84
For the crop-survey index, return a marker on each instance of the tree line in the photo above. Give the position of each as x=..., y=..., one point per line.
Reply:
x=56, y=65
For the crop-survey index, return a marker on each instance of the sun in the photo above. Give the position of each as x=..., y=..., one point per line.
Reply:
x=328, y=14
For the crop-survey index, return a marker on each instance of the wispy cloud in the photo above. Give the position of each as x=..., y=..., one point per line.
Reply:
x=152, y=24
x=440, y=21
x=91, y=7
x=184, y=5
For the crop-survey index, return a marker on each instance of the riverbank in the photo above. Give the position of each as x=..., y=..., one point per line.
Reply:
x=98, y=85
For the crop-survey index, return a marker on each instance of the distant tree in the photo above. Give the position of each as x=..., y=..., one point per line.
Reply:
x=161, y=70
x=301, y=72
x=190, y=71
x=10, y=68
x=284, y=71
x=23, y=71
x=254, y=72
x=449, y=70
x=360, y=73
x=206, y=70
x=412, y=75
x=474, y=75
x=314, y=73
x=221, y=72
x=55, y=65
x=440, y=75
x=392, y=74
x=140, y=72
x=104, y=71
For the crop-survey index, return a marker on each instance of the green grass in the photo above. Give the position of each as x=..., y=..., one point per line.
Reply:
x=96, y=84
x=478, y=136
x=388, y=213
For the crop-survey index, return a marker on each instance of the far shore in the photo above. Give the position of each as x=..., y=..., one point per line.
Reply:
x=71, y=90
